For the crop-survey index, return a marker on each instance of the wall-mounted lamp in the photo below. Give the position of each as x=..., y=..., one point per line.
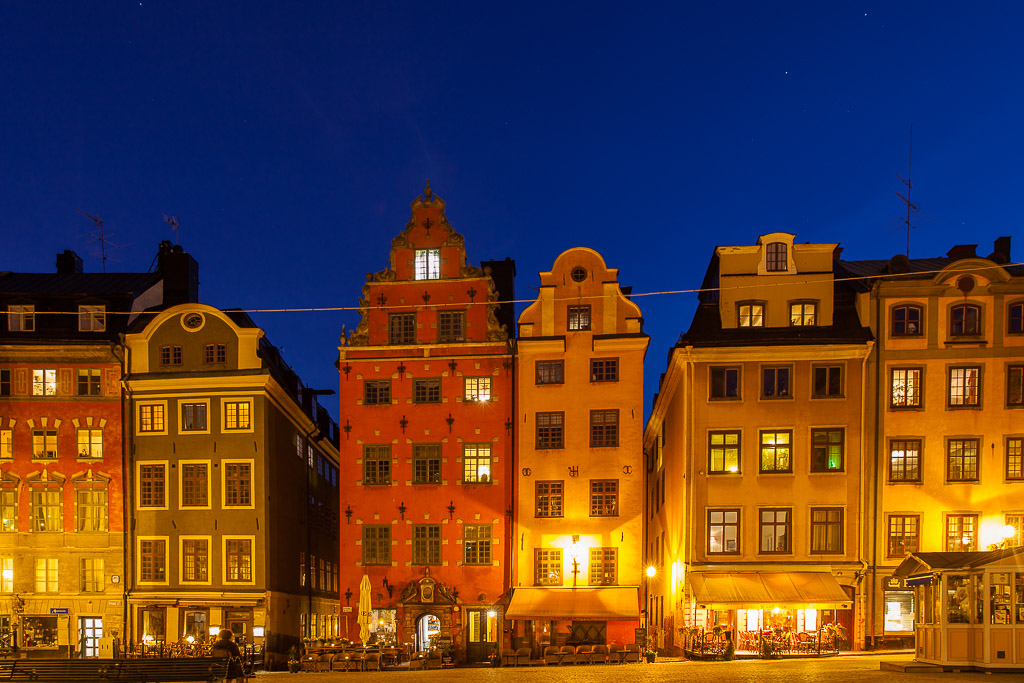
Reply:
x=450, y=420
x=451, y=509
x=452, y=365
x=575, y=538
x=348, y=513
x=402, y=509
x=348, y=595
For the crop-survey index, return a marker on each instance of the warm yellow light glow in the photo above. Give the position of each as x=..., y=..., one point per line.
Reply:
x=491, y=614
x=734, y=469
x=776, y=610
x=214, y=630
x=190, y=639
x=651, y=571
x=8, y=574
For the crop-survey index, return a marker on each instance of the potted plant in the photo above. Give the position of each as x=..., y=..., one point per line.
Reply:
x=650, y=655
x=293, y=660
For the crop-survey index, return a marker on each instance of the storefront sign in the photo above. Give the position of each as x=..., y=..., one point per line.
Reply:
x=58, y=610
x=640, y=637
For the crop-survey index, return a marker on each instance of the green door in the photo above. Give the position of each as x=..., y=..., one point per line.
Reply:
x=481, y=634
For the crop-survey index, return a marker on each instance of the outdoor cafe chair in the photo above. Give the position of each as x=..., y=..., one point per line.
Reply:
x=568, y=653
x=371, y=662
x=632, y=653
x=551, y=655
x=583, y=654
x=309, y=662
x=600, y=655
x=616, y=653
x=508, y=657
x=523, y=656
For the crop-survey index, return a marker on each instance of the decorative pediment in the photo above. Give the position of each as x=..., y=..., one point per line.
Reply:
x=427, y=591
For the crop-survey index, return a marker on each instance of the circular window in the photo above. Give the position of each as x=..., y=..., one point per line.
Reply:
x=192, y=322
x=579, y=274
x=965, y=284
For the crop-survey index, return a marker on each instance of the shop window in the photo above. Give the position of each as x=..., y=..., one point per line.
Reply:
x=958, y=599
x=39, y=632
x=153, y=622
x=899, y=611
x=196, y=625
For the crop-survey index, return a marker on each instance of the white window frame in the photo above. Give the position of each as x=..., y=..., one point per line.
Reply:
x=21, y=318
x=92, y=318
x=427, y=264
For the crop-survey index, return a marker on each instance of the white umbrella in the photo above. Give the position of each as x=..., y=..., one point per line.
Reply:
x=365, y=610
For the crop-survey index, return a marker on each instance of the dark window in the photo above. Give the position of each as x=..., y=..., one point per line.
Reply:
x=426, y=390
x=961, y=533
x=827, y=448
x=723, y=531
x=603, y=566
x=451, y=326
x=904, y=460
x=195, y=560
x=550, y=433
x=579, y=318
x=151, y=486
x=604, y=370
x=962, y=460
x=775, y=382
x=904, y=532
x=89, y=382
x=549, y=499
x=776, y=530
x=775, y=257
x=965, y=387
x=426, y=463
x=170, y=355
x=153, y=560
x=725, y=383
x=604, y=498
x=402, y=328
x=195, y=484
x=548, y=566
x=426, y=544
x=377, y=544
x=723, y=452
x=906, y=321
x=1015, y=458
x=828, y=381
x=1015, y=319
x=826, y=530
x=215, y=353
x=604, y=428
x=5, y=382
x=237, y=484
x=905, y=387
x=376, y=392
x=476, y=544
x=193, y=417
x=1015, y=385
x=965, y=319
x=550, y=372
x=376, y=464
x=776, y=448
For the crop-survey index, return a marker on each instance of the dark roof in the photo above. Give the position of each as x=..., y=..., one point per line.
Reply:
x=76, y=284
x=915, y=562
x=910, y=269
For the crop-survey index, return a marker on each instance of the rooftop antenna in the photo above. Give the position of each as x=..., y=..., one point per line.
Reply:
x=911, y=207
x=175, y=226
x=100, y=237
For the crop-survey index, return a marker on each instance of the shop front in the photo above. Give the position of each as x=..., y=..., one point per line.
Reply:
x=574, y=616
x=969, y=607
x=766, y=614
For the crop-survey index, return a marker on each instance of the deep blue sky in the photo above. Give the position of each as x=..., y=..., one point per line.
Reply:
x=290, y=137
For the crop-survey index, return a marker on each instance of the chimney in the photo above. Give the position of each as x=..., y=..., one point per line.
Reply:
x=69, y=262
x=180, y=273
x=1001, y=250
x=960, y=251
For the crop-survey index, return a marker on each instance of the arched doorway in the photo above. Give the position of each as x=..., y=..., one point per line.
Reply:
x=427, y=626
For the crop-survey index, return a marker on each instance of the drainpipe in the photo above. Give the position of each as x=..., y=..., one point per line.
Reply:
x=863, y=450
x=688, y=454
x=880, y=326
x=127, y=490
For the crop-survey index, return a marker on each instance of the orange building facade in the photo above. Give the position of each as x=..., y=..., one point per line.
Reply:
x=579, y=496
x=426, y=396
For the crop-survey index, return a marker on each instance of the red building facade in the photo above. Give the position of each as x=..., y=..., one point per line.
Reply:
x=426, y=393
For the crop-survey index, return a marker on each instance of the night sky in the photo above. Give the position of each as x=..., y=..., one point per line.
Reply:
x=290, y=137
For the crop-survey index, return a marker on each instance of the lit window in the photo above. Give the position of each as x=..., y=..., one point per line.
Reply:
x=905, y=388
x=478, y=389
x=476, y=463
x=578, y=318
x=6, y=444
x=151, y=417
x=961, y=533
x=238, y=559
x=776, y=530
x=550, y=372
x=428, y=264
x=91, y=507
x=723, y=452
x=46, y=575
x=723, y=531
x=1015, y=522
x=903, y=534
x=8, y=507
x=905, y=460
x=548, y=566
x=826, y=450
x=476, y=544
x=237, y=484
x=775, y=451
x=549, y=499
x=46, y=507
x=603, y=568
x=604, y=498
x=44, y=444
x=802, y=314
x=1015, y=458
x=751, y=315
x=21, y=318
x=237, y=415
x=775, y=257
x=7, y=575
x=90, y=443
x=964, y=387
x=92, y=318
x=44, y=382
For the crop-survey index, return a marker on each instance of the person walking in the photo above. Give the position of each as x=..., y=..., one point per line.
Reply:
x=226, y=647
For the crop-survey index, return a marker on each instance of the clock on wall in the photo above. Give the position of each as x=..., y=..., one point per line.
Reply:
x=192, y=321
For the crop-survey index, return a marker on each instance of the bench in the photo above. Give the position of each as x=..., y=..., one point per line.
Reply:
x=164, y=670
x=54, y=670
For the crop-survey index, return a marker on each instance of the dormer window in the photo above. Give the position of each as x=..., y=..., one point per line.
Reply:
x=751, y=315
x=776, y=260
x=428, y=264
x=92, y=318
x=965, y=320
x=803, y=313
x=21, y=318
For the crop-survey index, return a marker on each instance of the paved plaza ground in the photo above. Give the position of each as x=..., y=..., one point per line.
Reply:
x=858, y=669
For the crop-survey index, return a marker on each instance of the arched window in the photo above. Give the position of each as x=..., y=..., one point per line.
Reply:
x=965, y=319
x=906, y=321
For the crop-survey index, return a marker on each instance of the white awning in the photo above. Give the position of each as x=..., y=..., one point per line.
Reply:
x=605, y=603
x=767, y=589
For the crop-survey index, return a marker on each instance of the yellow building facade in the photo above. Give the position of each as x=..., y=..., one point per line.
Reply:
x=579, y=424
